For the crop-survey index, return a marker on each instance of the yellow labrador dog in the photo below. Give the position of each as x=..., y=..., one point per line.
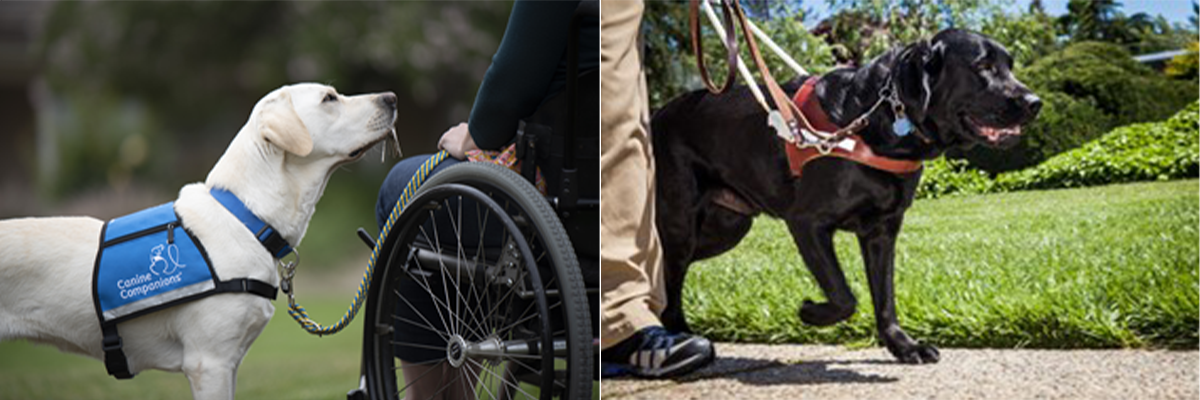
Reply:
x=277, y=165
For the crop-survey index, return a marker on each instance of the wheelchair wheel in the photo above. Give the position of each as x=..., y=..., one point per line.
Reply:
x=498, y=293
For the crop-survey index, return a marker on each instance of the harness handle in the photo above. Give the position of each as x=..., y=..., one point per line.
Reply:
x=731, y=45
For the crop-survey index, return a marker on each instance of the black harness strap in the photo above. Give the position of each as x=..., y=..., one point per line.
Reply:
x=247, y=285
x=114, y=355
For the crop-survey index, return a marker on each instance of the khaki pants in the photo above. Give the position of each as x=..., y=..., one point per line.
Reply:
x=630, y=256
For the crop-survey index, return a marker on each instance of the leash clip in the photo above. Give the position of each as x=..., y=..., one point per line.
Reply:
x=287, y=272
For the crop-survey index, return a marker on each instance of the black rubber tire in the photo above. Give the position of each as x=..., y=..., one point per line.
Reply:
x=542, y=235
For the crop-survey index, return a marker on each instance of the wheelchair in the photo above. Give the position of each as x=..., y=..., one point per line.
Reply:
x=505, y=276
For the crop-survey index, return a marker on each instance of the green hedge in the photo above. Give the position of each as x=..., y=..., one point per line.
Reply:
x=1139, y=152
x=1106, y=73
x=1087, y=88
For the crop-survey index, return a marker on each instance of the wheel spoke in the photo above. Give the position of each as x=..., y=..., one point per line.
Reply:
x=429, y=325
x=416, y=345
x=503, y=380
x=426, y=286
x=445, y=291
x=460, y=256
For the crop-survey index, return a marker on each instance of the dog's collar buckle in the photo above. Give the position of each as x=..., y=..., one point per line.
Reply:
x=264, y=232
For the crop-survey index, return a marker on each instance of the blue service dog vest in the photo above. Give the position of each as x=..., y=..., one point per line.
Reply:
x=148, y=262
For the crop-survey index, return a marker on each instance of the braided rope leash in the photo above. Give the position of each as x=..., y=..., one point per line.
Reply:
x=287, y=272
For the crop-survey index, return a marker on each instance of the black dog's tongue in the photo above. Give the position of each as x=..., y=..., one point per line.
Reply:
x=995, y=134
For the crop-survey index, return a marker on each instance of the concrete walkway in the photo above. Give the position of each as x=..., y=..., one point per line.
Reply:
x=750, y=371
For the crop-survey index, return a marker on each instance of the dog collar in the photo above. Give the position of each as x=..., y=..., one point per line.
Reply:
x=267, y=235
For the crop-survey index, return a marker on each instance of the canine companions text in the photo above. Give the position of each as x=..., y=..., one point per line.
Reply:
x=277, y=166
x=958, y=91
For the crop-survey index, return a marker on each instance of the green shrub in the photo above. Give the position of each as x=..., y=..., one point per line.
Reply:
x=1064, y=123
x=1120, y=86
x=946, y=176
x=1139, y=152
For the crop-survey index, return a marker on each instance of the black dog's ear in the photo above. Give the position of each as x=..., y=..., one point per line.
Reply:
x=933, y=58
x=919, y=67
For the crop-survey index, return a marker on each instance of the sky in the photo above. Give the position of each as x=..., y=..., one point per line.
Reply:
x=1175, y=11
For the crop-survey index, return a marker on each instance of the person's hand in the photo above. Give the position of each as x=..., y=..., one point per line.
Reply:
x=457, y=141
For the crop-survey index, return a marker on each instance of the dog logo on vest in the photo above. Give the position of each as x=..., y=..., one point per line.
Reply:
x=167, y=266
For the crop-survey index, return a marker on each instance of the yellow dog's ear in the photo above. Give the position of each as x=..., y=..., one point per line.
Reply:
x=279, y=124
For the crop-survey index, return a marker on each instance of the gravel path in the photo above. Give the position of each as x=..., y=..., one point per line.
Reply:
x=749, y=371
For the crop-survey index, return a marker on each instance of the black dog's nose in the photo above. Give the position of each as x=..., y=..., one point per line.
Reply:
x=1032, y=102
x=388, y=99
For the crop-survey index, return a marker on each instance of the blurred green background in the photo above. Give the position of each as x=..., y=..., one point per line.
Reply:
x=111, y=107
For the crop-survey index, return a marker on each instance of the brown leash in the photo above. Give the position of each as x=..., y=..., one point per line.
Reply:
x=731, y=46
x=732, y=9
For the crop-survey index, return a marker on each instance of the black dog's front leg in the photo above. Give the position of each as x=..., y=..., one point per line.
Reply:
x=879, y=252
x=815, y=242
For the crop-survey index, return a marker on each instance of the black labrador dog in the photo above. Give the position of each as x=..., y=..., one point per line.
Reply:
x=957, y=89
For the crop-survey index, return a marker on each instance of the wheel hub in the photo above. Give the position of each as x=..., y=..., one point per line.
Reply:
x=456, y=351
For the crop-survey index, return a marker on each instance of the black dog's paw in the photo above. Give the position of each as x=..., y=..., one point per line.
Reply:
x=917, y=353
x=824, y=314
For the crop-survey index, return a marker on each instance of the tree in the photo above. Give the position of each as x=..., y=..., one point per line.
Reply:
x=862, y=29
x=1089, y=19
x=1101, y=20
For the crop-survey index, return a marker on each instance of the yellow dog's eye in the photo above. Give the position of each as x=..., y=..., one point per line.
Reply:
x=329, y=97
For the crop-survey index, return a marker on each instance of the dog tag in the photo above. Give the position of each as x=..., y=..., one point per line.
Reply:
x=902, y=127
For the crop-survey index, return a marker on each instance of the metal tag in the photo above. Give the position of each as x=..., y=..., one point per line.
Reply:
x=902, y=127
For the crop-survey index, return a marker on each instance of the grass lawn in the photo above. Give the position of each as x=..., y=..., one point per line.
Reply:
x=1112, y=266
x=284, y=363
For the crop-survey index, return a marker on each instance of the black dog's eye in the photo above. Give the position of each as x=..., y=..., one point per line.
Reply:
x=329, y=97
x=983, y=66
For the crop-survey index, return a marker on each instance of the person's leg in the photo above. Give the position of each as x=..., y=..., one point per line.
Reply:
x=631, y=284
x=439, y=381
x=631, y=280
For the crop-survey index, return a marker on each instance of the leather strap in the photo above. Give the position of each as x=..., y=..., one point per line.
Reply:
x=782, y=102
x=798, y=156
x=114, y=353
x=731, y=45
x=810, y=106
